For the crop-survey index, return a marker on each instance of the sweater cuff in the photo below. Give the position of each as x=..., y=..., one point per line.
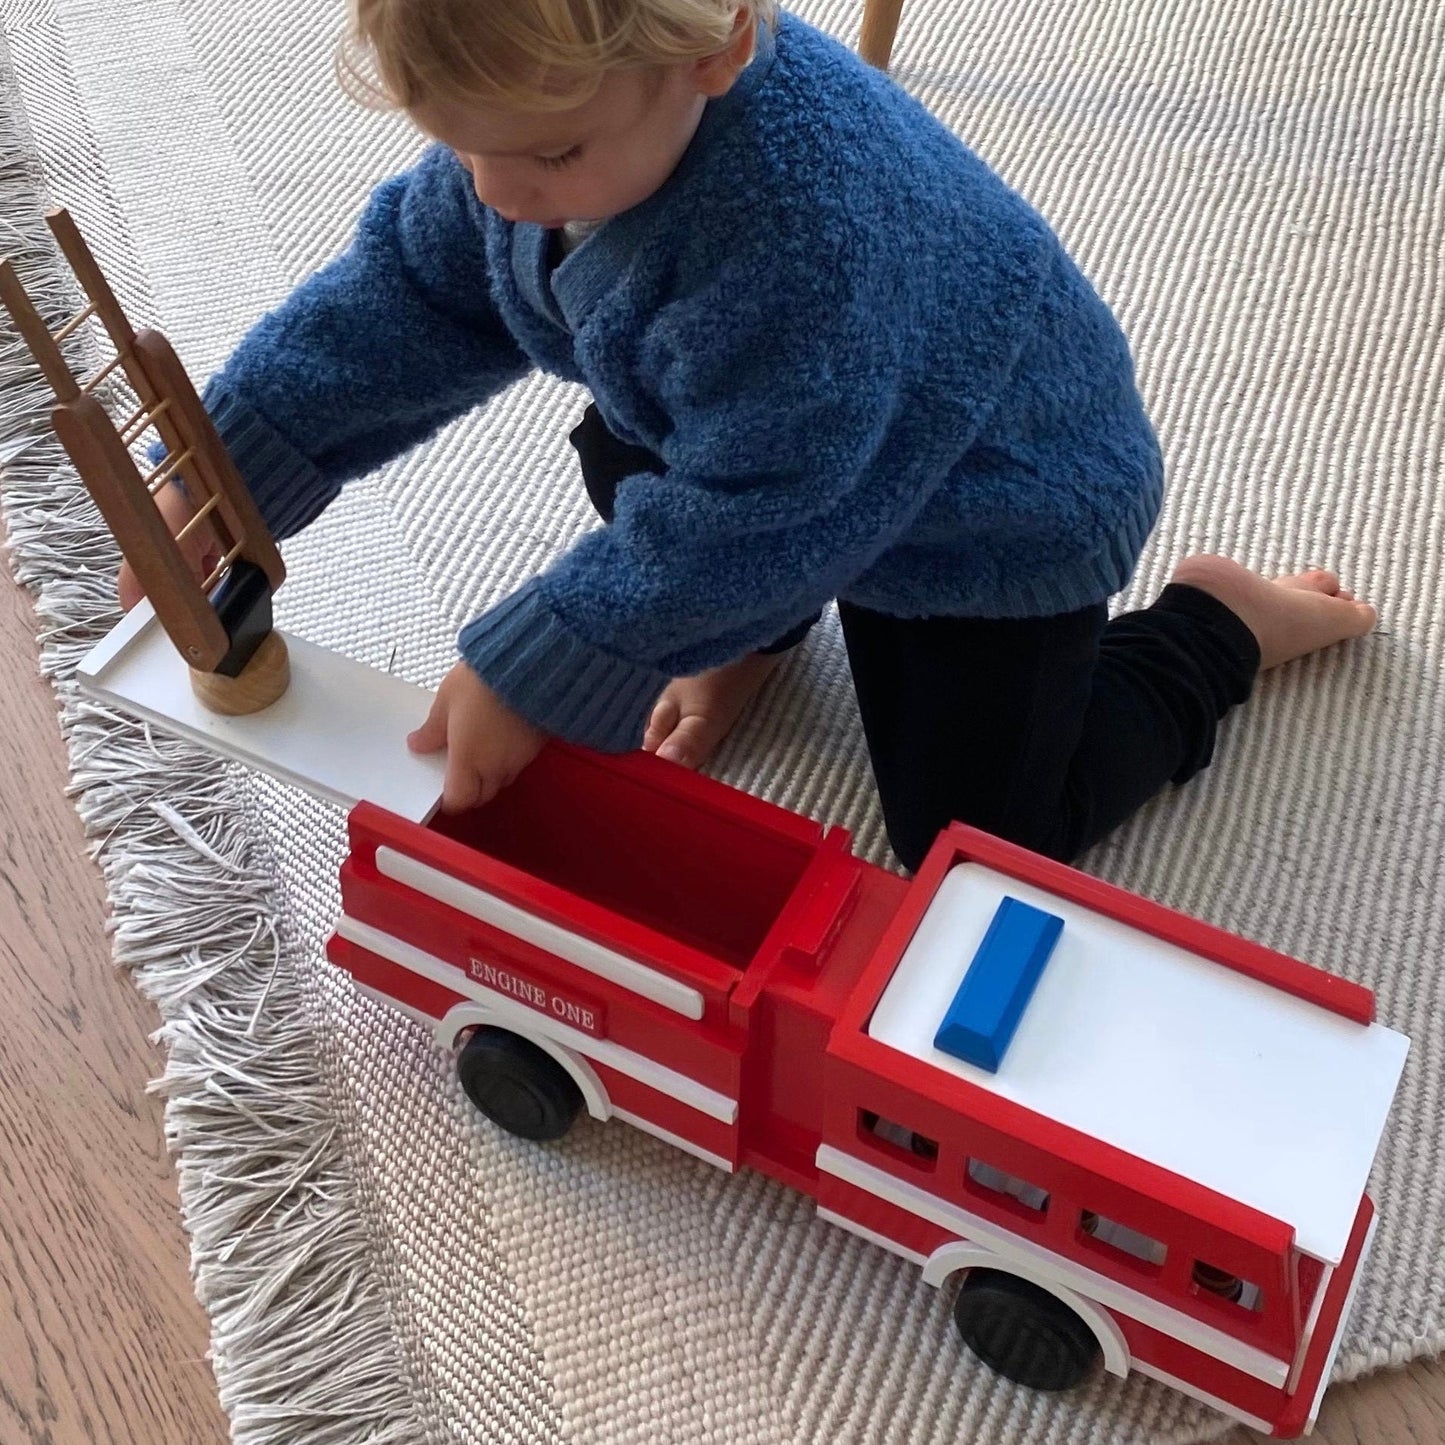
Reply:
x=286, y=486
x=558, y=682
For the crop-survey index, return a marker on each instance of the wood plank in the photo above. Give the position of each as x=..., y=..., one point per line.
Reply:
x=187, y=425
x=101, y=1338
x=91, y=278
x=36, y=334
x=137, y=525
x=880, y=27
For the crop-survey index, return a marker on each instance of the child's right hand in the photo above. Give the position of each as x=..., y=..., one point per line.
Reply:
x=201, y=548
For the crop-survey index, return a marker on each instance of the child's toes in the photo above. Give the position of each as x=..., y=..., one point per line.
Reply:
x=1312, y=579
x=689, y=742
x=663, y=722
x=1366, y=618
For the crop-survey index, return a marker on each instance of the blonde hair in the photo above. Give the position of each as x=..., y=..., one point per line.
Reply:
x=536, y=55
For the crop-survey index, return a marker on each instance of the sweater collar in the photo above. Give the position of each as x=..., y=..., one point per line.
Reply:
x=567, y=292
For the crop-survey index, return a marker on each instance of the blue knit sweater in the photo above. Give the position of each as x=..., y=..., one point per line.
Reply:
x=871, y=369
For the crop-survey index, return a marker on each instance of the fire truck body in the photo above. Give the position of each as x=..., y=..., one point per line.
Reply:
x=729, y=977
x=1166, y=1171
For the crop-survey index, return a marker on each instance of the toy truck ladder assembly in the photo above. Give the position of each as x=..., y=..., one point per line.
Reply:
x=1129, y=1139
x=221, y=625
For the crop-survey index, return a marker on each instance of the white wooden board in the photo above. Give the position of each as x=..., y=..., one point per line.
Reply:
x=1227, y=1081
x=338, y=731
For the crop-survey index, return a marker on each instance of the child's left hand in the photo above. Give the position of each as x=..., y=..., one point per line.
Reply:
x=487, y=743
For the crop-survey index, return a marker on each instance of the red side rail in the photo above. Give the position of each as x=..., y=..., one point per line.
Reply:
x=1279, y=970
x=371, y=827
x=961, y=844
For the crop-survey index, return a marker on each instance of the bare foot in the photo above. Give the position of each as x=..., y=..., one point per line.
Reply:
x=1289, y=616
x=694, y=714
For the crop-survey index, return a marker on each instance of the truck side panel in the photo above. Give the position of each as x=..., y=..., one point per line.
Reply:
x=645, y=1101
x=1184, y=1360
x=707, y=1050
x=962, y=1128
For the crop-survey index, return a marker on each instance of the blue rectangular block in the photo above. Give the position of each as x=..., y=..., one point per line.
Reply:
x=998, y=985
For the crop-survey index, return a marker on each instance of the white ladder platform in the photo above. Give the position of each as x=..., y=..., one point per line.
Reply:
x=339, y=730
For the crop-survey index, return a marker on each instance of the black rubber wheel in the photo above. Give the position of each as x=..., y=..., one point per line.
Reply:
x=1024, y=1332
x=518, y=1086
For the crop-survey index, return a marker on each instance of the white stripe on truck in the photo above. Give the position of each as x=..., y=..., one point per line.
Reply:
x=592, y=957
x=528, y=1021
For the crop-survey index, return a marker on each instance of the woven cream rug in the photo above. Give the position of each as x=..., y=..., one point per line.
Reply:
x=1259, y=190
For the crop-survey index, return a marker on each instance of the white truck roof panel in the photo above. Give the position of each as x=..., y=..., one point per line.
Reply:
x=1264, y=1097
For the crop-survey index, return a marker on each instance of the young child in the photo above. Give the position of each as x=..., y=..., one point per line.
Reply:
x=833, y=356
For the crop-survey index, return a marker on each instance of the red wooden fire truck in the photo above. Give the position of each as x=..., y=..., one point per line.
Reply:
x=1165, y=1171
x=1126, y=1138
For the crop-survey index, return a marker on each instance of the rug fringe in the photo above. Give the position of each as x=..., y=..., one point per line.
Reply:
x=302, y=1340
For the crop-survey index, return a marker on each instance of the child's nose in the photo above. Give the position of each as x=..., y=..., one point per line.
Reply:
x=498, y=187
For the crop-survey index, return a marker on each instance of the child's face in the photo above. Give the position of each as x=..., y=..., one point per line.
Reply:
x=594, y=161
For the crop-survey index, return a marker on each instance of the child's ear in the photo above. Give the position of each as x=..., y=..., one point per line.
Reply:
x=715, y=74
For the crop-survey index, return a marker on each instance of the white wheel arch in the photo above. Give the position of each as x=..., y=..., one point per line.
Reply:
x=948, y=1259
x=466, y=1016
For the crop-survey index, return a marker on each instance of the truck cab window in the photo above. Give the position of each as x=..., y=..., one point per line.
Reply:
x=902, y=1140
x=985, y=1176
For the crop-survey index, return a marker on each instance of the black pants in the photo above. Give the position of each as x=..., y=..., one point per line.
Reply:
x=1048, y=731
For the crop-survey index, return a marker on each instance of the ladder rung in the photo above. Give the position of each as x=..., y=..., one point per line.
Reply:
x=144, y=414
x=92, y=282
x=100, y=375
x=162, y=474
x=221, y=567
x=198, y=518
x=75, y=322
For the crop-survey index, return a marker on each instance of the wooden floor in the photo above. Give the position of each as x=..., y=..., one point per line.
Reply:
x=101, y=1339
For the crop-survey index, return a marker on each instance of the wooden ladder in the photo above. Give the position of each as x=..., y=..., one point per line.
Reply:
x=100, y=450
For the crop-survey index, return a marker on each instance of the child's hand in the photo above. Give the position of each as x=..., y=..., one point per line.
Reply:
x=201, y=548
x=487, y=743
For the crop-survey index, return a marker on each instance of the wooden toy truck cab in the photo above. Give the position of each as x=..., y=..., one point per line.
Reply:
x=1172, y=1151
